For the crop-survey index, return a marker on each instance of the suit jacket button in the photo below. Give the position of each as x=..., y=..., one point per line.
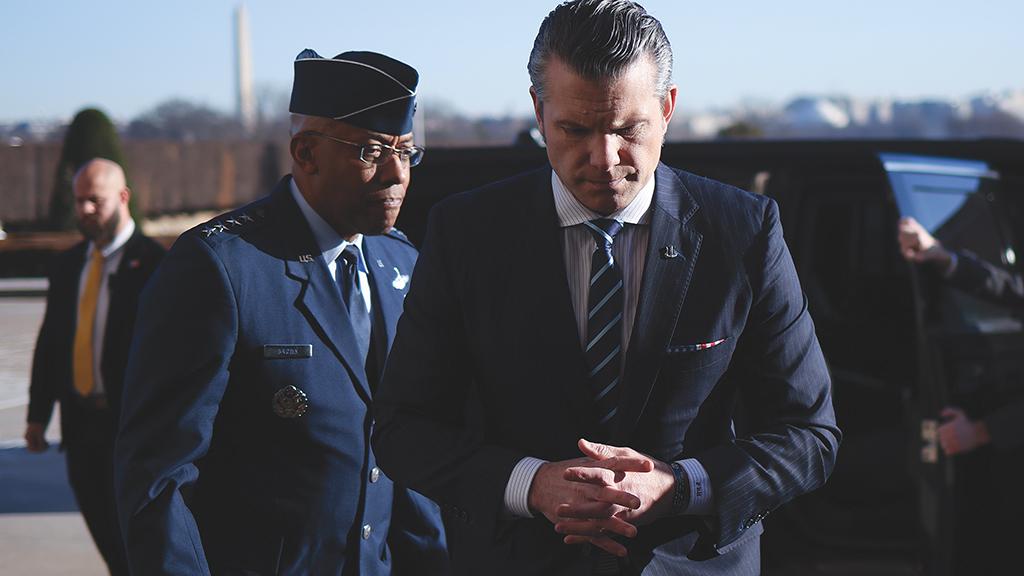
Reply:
x=374, y=474
x=367, y=530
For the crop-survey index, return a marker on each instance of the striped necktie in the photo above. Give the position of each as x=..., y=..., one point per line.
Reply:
x=349, y=265
x=82, y=360
x=604, y=324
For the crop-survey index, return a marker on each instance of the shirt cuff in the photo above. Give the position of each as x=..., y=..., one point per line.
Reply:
x=701, y=502
x=517, y=491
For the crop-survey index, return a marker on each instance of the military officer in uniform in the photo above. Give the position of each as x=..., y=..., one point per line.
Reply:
x=244, y=445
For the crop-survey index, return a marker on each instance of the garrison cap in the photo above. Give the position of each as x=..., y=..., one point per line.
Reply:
x=365, y=89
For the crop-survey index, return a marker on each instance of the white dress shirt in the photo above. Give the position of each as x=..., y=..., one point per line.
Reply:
x=112, y=255
x=629, y=250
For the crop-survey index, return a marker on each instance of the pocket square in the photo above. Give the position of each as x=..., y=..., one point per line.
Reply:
x=697, y=347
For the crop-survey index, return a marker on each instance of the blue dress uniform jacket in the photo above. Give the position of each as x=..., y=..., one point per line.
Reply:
x=493, y=321
x=217, y=470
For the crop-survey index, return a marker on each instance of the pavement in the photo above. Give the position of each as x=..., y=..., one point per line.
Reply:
x=41, y=531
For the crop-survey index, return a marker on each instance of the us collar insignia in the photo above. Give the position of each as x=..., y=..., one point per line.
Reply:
x=400, y=280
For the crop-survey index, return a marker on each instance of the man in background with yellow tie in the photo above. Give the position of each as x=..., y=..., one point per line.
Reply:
x=83, y=344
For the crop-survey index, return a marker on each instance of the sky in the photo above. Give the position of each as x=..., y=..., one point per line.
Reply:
x=127, y=56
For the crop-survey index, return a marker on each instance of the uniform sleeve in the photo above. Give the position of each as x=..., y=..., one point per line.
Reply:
x=790, y=439
x=176, y=376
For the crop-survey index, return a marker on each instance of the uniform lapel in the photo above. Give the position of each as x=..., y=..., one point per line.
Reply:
x=662, y=294
x=318, y=299
x=389, y=279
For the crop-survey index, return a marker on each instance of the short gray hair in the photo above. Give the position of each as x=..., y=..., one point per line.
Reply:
x=600, y=39
x=302, y=122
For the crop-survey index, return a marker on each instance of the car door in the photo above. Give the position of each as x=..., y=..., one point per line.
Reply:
x=969, y=352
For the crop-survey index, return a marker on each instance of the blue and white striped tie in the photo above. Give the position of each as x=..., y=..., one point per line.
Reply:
x=603, y=349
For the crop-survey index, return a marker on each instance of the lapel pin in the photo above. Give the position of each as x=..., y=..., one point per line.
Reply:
x=305, y=258
x=668, y=252
x=135, y=263
x=400, y=280
x=379, y=263
x=290, y=402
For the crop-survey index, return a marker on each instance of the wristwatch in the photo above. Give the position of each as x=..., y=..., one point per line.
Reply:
x=681, y=492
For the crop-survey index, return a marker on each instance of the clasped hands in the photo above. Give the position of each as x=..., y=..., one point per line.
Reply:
x=609, y=491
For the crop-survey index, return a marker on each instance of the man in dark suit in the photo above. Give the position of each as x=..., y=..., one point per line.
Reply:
x=244, y=445
x=988, y=443
x=577, y=340
x=1003, y=426
x=83, y=345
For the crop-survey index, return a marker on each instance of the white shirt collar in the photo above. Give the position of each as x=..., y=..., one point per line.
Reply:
x=571, y=212
x=330, y=243
x=117, y=243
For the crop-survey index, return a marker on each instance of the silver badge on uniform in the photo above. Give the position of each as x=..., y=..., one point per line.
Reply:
x=290, y=402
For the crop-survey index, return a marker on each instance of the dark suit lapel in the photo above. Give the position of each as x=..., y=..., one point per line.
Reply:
x=124, y=285
x=662, y=294
x=66, y=292
x=318, y=299
x=130, y=270
x=545, y=296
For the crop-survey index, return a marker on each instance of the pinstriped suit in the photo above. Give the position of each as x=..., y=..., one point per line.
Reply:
x=492, y=321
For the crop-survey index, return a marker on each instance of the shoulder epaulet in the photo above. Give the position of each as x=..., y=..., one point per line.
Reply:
x=234, y=222
x=400, y=236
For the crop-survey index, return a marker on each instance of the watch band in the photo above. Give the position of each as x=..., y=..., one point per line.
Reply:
x=681, y=492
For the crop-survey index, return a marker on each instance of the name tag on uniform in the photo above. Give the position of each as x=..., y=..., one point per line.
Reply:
x=284, y=351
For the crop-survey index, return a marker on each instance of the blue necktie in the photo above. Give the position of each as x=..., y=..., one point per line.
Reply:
x=603, y=347
x=349, y=265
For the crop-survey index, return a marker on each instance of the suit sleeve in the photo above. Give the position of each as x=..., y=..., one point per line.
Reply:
x=982, y=279
x=424, y=397
x=1000, y=286
x=43, y=387
x=790, y=439
x=176, y=376
x=416, y=537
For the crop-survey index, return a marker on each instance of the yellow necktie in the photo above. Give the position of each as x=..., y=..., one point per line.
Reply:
x=83, y=358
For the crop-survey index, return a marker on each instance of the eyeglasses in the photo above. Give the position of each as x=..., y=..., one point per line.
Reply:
x=375, y=154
